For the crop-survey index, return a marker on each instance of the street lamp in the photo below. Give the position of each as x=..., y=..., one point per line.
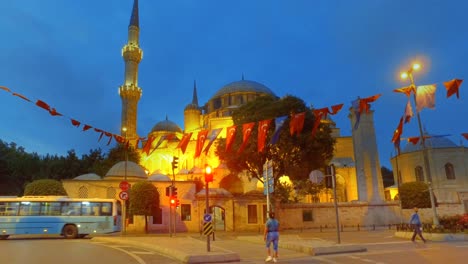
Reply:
x=124, y=209
x=427, y=175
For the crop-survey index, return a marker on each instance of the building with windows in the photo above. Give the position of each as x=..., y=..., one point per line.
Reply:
x=448, y=168
x=236, y=202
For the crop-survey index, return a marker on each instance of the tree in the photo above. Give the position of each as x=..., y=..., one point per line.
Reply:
x=387, y=177
x=294, y=156
x=45, y=187
x=414, y=194
x=144, y=200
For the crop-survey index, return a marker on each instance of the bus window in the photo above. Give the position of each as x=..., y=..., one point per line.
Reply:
x=71, y=208
x=9, y=208
x=50, y=208
x=90, y=208
x=30, y=208
x=106, y=209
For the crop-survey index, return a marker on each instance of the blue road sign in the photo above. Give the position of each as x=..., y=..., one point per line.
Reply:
x=207, y=218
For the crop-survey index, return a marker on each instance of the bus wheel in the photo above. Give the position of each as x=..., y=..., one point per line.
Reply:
x=70, y=231
x=2, y=237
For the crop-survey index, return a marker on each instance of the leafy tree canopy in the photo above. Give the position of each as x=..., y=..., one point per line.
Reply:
x=45, y=187
x=294, y=156
x=415, y=194
x=143, y=198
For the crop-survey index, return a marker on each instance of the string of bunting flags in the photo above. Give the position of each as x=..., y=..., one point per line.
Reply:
x=425, y=98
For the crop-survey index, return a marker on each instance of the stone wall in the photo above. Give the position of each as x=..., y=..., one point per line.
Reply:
x=303, y=216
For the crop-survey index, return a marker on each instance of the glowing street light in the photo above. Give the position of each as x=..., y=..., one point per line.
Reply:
x=427, y=175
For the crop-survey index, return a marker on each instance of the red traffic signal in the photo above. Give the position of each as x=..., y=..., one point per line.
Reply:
x=173, y=201
x=208, y=173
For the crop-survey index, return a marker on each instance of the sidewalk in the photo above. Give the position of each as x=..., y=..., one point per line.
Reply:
x=233, y=247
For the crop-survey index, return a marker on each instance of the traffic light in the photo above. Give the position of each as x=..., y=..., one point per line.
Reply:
x=208, y=173
x=177, y=203
x=174, y=192
x=173, y=201
x=175, y=162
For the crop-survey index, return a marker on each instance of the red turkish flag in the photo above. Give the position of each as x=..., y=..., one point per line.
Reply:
x=452, y=87
x=246, y=131
x=75, y=122
x=336, y=108
x=297, y=123
x=184, y=142
x=465, y=135
x=86, y=127
x=398, y=131
x=147, y=146
x=406, y=90
x=263, y=127
x=43, y=105
x=200, y=142
x=414, y=140
x=21, y=96
x=5, y=89
x=230, y=135
x=364, y=104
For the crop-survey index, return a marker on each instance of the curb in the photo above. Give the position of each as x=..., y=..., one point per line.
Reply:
x=438, y=237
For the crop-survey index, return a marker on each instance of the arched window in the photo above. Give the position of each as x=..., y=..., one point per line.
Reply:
x=419, y=173
x=83, y=192
x=111, y=193
x=449, y=171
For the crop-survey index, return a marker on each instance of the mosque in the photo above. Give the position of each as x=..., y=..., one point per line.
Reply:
x=240, y=204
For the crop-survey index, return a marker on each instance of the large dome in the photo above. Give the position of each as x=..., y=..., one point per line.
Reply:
x=166, y=126
x=243, y=86
x=130, y=170
x=432, y=142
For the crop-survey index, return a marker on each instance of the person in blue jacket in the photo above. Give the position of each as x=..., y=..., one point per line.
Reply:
x=271, y=235
x=416, y=224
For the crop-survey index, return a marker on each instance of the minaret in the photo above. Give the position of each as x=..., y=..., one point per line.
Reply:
x=129, y=91
x=368, y=174
x=192, y=113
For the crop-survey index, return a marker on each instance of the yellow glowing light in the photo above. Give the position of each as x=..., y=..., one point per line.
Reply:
x=404, y=75
x=416, y=66
x=124, y=129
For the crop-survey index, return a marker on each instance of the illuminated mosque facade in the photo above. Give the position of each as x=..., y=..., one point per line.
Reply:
x=240, y=204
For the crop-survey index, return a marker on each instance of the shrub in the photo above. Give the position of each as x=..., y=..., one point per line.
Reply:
x=45, y=187
x=463, y=221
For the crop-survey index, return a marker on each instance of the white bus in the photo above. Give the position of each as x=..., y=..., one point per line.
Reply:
x=58, y=215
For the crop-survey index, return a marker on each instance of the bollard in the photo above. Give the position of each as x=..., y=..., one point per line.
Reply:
x=358, y=228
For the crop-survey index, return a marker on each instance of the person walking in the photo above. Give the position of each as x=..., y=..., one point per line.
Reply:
x=271, y=235
x=415, y=223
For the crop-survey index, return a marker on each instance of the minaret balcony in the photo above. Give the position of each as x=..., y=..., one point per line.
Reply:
x=132, y=53
x=130, y=91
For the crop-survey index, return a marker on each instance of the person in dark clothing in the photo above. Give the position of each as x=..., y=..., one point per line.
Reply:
x=415, y=223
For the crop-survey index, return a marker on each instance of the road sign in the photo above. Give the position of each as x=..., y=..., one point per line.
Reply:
x=123, y=195
x=124, y=186
x=207, y=218
x=207, y=228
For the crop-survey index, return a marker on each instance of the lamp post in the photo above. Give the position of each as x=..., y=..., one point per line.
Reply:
x=427, y=175
x=124, y=208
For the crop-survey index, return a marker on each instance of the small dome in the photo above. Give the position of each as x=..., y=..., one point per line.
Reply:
x=166, y=125
x=243, y=86
x=158, y=177
x=132, y=170
x=88, y=177
x=432, y=142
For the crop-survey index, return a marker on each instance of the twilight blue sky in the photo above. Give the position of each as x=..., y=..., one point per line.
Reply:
x=68, y=54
